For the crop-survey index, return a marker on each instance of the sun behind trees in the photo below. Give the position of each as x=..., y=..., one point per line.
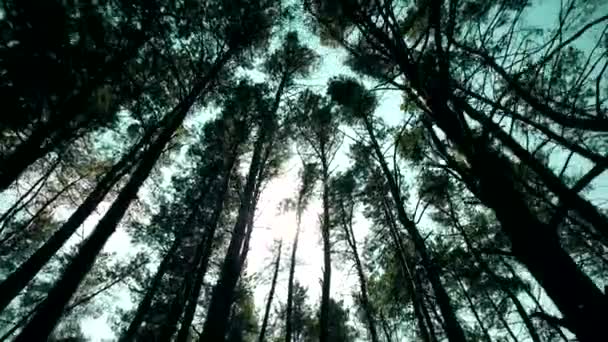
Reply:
x=447, y=184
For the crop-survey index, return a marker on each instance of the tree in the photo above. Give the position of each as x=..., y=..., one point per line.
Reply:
x=488, y=173
x=339, y=329
x=243, y=321
x=308, y=177
x=359, y=105
x=318, y=132
x=290, y=61
x=18, y=279
x=343, y=189
x=273, y=285
x=73, y=91
x=49, y=312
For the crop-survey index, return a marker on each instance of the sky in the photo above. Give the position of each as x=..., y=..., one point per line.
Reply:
x=270, y=224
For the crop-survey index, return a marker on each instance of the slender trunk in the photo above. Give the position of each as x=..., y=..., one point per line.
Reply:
x=429, y=303
x=326, y=286
x=352, y=243
x=367, y=305
x=486, y=268
x=424, y=310
x=192, y=301
x=23, y=228
x=453, y=328
x=45, y=319
x=473, y=309
x=533, y=298
x=40, y=182
x=386, y=328
x=292, y=271
x=144, y=305
x=427, y=335
x=185, y=295
x=18, y=280
x=176, y=308
x=216, y=325
x=524, y=315
x=271, y=294
x=501, y=318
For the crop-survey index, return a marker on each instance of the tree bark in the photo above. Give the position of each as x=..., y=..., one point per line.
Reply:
x=273, y=285
x=50, y=311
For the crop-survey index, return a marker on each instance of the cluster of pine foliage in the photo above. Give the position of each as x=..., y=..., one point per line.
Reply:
x=163, y=123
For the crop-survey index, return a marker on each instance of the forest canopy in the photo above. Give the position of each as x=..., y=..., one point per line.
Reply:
x=304, y=170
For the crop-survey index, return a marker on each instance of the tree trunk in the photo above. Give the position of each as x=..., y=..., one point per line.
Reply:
x=144, y=305
x=453, y=328
x=292, y=271
x=533, y=298
x=50, y=311
x=425, y=329
x=216, y=325
x=367, y=305
x=326, y=285
x=277, y=265
x=207, y=248
x=486, y=268
x=19, y=279
x=501, y=318
x=473, y=309
x=56, y=134
x=568, y=198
